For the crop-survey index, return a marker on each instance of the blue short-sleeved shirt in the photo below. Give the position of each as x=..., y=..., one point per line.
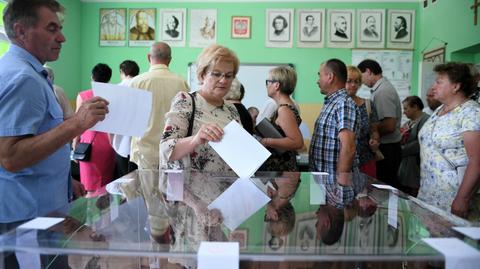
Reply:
x=28, y=107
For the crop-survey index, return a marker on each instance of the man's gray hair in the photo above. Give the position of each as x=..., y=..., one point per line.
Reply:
x=25, y=12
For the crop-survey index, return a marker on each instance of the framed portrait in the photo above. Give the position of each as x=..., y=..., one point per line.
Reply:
x=241, y=26
x=392, y=240
x=435, y=56
x=279, y=28
x=341, y=23
x=172, y=26
x=240, y=236
x=310, y=31
x=203, y=27
x=371, y=28
x=306, y=233
x=142, y=23
x=112, y=26
x=401, y=29
x=365, y=237
x=274, y=244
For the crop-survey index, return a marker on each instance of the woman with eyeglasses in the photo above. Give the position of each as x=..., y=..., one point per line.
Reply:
x=368, y=138
x=217, y=66
x=280, y=85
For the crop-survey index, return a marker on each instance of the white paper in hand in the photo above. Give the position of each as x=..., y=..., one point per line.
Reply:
x=237, y=203
x=243, y=153
x=129, y=109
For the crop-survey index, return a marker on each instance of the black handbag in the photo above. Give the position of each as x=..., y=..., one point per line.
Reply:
x=82, y=152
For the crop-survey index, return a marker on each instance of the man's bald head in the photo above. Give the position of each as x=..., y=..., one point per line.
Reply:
x=160, y=53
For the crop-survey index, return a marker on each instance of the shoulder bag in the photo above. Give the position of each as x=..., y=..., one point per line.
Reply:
x=83, y=151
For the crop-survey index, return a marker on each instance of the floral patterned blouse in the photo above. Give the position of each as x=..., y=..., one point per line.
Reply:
x=363, y=135
x=203, y=158
x=438, y=179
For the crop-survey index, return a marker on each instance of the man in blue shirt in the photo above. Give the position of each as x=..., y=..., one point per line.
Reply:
x=34, y=155
x=332, y=149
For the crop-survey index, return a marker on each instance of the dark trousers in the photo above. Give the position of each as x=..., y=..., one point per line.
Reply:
x=387, y=168
x=9, y=260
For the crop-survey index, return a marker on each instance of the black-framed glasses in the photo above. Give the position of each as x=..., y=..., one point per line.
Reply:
x=219, y=75
x=270, y=81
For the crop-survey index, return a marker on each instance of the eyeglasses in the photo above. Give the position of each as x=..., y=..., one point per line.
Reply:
x=219, y=76
x=270, y=81
x=353, y=81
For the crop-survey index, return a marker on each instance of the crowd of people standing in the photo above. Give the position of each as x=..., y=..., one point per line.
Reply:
x=436, y=156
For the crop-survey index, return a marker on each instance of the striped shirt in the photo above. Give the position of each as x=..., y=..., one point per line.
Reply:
x=339, y=112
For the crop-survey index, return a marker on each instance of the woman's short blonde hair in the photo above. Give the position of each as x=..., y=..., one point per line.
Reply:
x=212, y=55
x=234, y=93
x=286, y=76
x=353, y=70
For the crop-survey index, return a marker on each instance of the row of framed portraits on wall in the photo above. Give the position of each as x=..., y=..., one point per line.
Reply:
x=340, y=28
x=140, y=27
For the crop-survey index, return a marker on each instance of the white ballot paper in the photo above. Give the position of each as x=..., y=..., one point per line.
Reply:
x=318, y=192
x=384, y=187
x=243, y=153
x=40, y=223
x=472, y=232
x=218, y=255
x=129, y=109
x=458, y=255
x=237, y=203
x=392, y=209
x=175, y=184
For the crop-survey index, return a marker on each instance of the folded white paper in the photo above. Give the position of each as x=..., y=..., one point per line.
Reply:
x=383, y=187
x=174, y=185
x=237, y=203
x=318, y=192
x=40, y=223
x=218, y=255
x=129, y=109
x=458, y=255
x=262, y=186
x=243, y=153
x=392, y=209
x=472, y=232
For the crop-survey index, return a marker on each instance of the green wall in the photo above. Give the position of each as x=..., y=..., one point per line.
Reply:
x=3, y=44
x=306, y=60
x=68, y=67
x=448, y=20
x=452, y=22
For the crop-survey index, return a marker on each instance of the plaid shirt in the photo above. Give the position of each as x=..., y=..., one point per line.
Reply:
x=339, y=112
x=337, y=195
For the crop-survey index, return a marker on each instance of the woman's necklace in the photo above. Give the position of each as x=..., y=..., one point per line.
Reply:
x=445, y=110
